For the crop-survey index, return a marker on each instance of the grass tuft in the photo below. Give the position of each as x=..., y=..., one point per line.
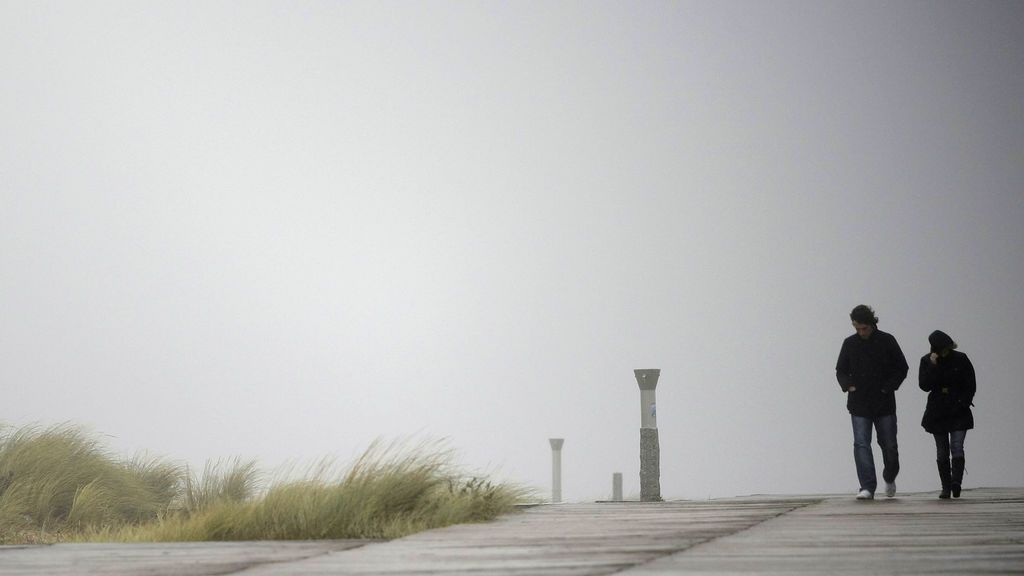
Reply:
x=60, y=479
x=222, y=481
x=59, y=484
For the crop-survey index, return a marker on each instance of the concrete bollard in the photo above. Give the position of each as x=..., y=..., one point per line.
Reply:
x=617, y=487
x=556, y=469
x=650, y=465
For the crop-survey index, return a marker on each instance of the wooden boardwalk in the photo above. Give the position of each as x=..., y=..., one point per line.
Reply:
x=981, y=533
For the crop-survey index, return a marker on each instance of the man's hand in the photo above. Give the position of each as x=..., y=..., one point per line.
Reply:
x=934, y=358
x=851, y=389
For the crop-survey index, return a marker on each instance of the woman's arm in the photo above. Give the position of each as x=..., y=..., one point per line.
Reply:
x=926, y=374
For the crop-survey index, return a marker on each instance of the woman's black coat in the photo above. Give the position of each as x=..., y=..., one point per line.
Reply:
x=950, y=385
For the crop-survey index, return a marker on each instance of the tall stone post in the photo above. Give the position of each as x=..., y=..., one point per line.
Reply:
x=556, y=469
x=650, y=465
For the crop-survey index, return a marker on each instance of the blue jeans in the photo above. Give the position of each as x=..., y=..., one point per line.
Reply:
x=862, y=456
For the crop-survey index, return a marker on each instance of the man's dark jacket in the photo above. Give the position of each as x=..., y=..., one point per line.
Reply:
x=876, y=367
x=951, y=386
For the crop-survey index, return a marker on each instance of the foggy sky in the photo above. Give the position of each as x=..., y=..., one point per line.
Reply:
x=280, y=230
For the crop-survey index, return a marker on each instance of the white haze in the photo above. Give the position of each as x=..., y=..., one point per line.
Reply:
x=280, y=230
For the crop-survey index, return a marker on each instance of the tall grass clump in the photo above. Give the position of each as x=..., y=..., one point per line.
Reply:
x=390, y=491
x=222, y=481
x=59, y=480
x=59, y=484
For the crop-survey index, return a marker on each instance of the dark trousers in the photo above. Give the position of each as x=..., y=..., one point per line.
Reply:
x=951, y=444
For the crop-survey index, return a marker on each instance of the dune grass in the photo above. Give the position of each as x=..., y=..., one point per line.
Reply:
x=60, y=484
x=60, y=480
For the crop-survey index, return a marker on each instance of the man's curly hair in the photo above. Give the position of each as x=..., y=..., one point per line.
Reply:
x=863, y=314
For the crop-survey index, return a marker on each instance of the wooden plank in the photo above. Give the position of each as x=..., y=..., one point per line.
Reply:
x=981, y=533
x=566, y=539
x=165, y=559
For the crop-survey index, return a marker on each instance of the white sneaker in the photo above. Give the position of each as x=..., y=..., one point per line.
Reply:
x=865, y=495
x=890, y=489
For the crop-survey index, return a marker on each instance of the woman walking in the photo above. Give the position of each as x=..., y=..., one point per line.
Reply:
x=948, y=378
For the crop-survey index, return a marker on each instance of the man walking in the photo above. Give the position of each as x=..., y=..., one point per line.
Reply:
x=870, y=369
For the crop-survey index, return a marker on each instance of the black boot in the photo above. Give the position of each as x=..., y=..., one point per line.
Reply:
x=944, y=477
x=958, y=476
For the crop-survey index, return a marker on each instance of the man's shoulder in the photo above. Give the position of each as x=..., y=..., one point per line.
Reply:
x=885, y=336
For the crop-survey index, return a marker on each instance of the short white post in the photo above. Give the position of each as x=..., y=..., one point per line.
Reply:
x=617, y=487
x=556, y=469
